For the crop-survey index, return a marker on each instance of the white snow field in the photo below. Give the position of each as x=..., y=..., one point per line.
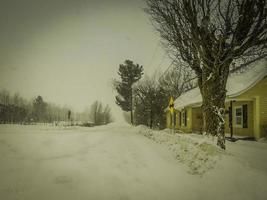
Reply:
x=121, y=162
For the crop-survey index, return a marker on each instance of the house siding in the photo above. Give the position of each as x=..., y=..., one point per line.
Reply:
x=178, y=125
x=188, y=127
x=197, y=119
x=249, y=131
x=185, y=128
x=263, y=115
x=258, y=94
x=168, y=119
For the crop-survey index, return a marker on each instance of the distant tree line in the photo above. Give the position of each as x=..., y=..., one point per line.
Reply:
x=16, y=109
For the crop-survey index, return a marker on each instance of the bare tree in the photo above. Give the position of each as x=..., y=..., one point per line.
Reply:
x=153, y=93
x=107, y=115
x=150, y=102
x=209, y=35
x=94, y=112
x=4, y=97
x=177, y=80
x=100, y=115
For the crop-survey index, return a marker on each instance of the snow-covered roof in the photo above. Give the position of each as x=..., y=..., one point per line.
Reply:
x=237, y=84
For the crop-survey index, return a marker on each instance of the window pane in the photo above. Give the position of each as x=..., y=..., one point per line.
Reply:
x=238, y=120
x=239, y=112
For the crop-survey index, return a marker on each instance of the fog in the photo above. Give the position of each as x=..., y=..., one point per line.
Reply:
x=69, y=51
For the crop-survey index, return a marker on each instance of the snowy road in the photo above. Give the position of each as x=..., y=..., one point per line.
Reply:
x=109, y=162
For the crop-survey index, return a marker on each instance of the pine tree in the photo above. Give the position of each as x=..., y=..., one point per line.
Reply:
x=130, y=73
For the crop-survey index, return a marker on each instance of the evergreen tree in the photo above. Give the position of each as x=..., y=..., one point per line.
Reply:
x=39, y=109
x=130, y=73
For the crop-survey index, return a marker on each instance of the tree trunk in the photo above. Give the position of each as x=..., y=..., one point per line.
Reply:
x=95, y=117
x=213, y=92
x=131, y=106
x=132, y=116
x=151, y=118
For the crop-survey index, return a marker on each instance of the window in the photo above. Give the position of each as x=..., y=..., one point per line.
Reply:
x=238, y=116
x=180, y=119
x=184, y=117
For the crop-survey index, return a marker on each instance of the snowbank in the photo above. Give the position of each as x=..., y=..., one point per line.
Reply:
x=200, y=154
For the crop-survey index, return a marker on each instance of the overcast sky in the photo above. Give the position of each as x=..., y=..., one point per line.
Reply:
x=68, y=51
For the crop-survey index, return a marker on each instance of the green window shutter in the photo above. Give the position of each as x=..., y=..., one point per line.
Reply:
x=180, y=118
x=185, y=116
x=245, y=116
x=230, y=114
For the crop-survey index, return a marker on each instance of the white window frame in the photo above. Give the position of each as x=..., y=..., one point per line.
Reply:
x=241, y=117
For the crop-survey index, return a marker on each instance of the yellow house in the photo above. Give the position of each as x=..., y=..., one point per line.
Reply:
x=246, y=105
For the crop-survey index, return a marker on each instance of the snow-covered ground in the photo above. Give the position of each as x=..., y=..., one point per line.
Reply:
x=122, y=162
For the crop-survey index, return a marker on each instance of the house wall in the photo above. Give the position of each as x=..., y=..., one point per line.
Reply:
x=178, y=125
x=194, y=120
x=249, y=131
x=259, y=95
x=168, y=119
x=188, y=127
x=182, y=127
x=197, y=119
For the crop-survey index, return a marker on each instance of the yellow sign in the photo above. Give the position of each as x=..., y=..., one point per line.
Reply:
x=171, y=105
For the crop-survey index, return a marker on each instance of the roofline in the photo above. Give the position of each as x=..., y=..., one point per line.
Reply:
x=197, y=104
x=263, y=76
